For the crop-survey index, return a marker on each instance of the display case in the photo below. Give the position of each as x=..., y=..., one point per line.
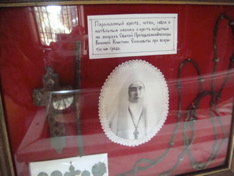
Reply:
x=116, y=88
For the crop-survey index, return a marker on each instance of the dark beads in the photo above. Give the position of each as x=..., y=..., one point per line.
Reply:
x=216, y=60
x=232, y=59
x=231, y=23
x=201, y=79
x=179, y=114
x=178, y=86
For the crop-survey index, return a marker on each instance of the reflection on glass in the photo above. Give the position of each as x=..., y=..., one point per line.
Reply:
x=54, y=20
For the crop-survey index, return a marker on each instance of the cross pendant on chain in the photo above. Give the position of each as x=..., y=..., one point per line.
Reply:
x=135, y=133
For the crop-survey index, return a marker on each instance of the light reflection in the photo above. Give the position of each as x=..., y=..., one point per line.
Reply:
x=55, y=20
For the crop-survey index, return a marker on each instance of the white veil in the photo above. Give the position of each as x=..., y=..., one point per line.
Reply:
x=118, y=110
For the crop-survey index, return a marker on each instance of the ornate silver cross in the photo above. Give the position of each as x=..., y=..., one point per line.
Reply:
x=54, y=103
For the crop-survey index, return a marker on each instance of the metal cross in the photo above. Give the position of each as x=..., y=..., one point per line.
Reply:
x=135, y=133
x=43, y=97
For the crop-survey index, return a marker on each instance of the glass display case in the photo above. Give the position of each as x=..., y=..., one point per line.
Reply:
x=116, y=88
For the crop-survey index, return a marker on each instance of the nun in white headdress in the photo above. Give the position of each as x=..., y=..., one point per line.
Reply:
x=132, y=115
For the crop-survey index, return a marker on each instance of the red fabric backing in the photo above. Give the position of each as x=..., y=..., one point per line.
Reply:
x=22, y=68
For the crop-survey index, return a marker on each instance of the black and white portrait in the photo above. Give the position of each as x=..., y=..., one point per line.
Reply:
x=133, y=103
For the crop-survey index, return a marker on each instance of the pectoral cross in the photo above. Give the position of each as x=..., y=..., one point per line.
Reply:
x=135, y=133
x=42, y=97
x=56, y=103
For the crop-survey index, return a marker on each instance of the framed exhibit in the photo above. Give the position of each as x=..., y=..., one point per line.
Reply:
x=122, y=88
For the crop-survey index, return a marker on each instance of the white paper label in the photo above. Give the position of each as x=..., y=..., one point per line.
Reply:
x=132, y=35
x=85, y=165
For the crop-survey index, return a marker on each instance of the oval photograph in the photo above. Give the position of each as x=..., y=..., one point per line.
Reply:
x=133, y=103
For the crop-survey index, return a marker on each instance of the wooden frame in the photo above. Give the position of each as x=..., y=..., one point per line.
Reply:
x=6, y=166
x=6, y=163
x=17, y=3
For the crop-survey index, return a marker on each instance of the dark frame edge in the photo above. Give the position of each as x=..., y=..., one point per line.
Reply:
x=231, y=145
x=6, y=164
x=4, y=3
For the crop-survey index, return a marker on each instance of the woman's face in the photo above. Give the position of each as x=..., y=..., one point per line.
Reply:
x=136, y=92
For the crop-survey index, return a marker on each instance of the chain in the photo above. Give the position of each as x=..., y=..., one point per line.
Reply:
x=46, y=57
x=136, y=132
x=190, y=115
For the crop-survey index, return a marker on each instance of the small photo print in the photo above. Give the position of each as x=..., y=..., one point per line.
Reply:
x=91, y=165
